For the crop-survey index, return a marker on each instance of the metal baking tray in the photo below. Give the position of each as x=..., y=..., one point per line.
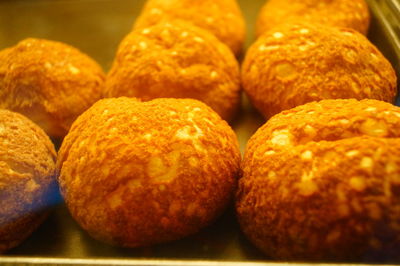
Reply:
x=96, y=27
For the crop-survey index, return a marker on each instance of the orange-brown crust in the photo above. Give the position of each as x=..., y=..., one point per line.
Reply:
x=299, y=63
x=176, y=60
x=27, y=177
x=135, y=174
x=49, y=82
x=338, y=13
x=222, y=18
x=321, y=182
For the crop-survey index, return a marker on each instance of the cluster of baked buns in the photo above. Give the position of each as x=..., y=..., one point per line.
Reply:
x=148, y=156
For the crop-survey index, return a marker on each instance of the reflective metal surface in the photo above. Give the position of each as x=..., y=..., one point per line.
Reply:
x=96, y=27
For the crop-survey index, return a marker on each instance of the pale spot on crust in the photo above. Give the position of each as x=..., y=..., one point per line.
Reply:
x=263, y=47
x=307, y=155
x=350, y=55
x=114, y=200
x=278, y=35
x=161, y=187
x=303, y=48
x=366, y=163
x=73, y=69
x=357, y=183
x=214, y=75
x=210, y=20
x=346, y=33
x=310, y=131
x=158, y=170
x=31, y=186
x=198, y=39
x=147, y=136
x=184, y=34
x=143, y=45
x=285, y=71
x=193, y=161
x=2, y=129
x=48, y=65
x=188, y=133
x=155, y=11
x=146, y=31
x=272, y=175
x=133, y=184
x=307, y=176
x=367, y=90
x=307, y=188
x=391, y=167
x=344, y=121
x=281, y=137
x=174, y=53
x=374, y=128
x=304, y=31
x=352, y=153
x=371, y=109
x=269, y=153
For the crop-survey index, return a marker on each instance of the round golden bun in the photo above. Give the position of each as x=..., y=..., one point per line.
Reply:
x=135, y=174
x=322, y=182
x=337, y=13
x=176, y=60
x=27, y=178
x=298, y=63
x=223, y=18
x=49, y=82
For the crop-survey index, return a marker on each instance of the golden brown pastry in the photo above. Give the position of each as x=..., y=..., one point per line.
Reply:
x=27, y=178
x=49, y=82
x=135, y=174
x=338, y=13
x=322, y=182
x=298, y=63
x=223, y=18
x=176, y=60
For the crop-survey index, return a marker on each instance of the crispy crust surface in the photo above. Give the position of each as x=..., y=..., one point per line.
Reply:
x=299, y=63
x=176, y=60
x=321, y=182
x=49, y=82
x=27, y=177
x=223, y=18
x=135, y=174
x=338, y=13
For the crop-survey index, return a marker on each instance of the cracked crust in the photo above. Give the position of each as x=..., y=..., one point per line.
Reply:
x=295, y=64
x=176, y=60
x=135, y=174
x=49, y=82
x=27, y=178
x=338, y=13
x=322, y=182
x=223, y=18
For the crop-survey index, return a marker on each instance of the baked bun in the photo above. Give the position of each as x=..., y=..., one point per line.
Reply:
x=135, y=174
x=176, y=60
x=27, y=178
x=322, y=182
x=223, y=18
x=49, y=82
x=337, y=13
x=298, y=63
